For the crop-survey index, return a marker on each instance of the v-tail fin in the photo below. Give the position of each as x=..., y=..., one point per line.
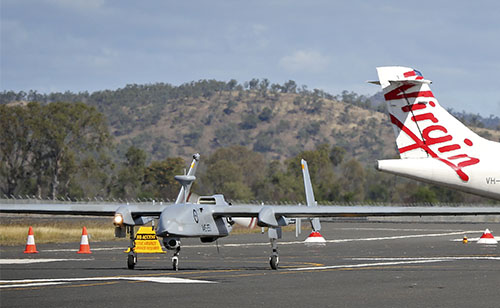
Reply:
x=187, y=180
x=315, y=224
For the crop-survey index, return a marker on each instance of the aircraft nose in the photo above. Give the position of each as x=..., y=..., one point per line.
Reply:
x=168, y=223
x=161, y=229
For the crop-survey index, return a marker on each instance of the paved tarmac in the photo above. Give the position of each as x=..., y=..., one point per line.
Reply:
x=362, y=265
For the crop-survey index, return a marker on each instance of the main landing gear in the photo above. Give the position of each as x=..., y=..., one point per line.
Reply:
x=274, y=235
x=170, y=244
x=132, y=255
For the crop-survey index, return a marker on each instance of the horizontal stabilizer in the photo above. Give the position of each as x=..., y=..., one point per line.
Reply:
x=185, y=179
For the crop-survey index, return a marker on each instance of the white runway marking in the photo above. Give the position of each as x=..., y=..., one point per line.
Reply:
x=30, y=261
x=45, y=282
x=383, y=238
x=452, y=258
x=169, y=280
x=399, y=237
x=27, y=285
x=76, y=249
x=402, y=230
x=473, y=239
x=366, y=265
x=396, y=261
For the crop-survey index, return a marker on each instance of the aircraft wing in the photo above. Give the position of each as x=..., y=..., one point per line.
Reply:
x=89, y=209
x=273, y=215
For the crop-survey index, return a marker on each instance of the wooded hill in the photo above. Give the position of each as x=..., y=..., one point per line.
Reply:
x=251, y=137
x=279, y=121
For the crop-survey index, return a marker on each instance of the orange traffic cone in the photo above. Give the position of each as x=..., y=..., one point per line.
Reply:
x=487, y=238
x=315, y=237
x=84, y=243
x=30, y=244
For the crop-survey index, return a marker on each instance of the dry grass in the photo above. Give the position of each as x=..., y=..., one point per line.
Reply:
x=15, y=232
x=17, y=235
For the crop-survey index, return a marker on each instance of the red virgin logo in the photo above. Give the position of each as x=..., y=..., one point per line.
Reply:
x=433, y=133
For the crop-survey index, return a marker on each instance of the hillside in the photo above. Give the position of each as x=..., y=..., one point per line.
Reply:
x=250, y=137
x=278, y=121
x=279, y=126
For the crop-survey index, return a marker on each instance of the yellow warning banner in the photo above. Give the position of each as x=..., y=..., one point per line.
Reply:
x=146, y=241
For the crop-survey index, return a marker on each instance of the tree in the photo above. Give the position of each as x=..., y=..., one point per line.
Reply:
x=92, y=177
x=264, y=84
x=275, y=88
x=266, y=114
x=234, y=164
x=227, y=135
x=353, y=180
x=231, y=84
x=280, y=185
x=249, y=121
x=337, y=155
x=68, y=128
x=218, y=173
x=131, y=175
x=253, y=84
x=320, y=170
x=159, y=182
x=423, y=194
x=15, y=147
x=47, y=142
x=290, y=87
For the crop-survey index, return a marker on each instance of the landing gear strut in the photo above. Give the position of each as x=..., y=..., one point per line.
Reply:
x=132, y=255
x=175, y=259
x=274, y=235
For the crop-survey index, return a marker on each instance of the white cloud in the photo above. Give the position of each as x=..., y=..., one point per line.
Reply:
x=308, y=61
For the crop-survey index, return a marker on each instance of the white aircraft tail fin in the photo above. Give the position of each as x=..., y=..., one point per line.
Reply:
x=185, y=190
x=433, y=145
x=422, y=127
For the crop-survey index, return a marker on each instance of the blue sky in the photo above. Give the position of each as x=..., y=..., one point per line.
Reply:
x=89, y=45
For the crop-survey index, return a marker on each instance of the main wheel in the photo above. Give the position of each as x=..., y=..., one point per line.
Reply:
x=175, y=263
x=131, y=261
x=274, y=260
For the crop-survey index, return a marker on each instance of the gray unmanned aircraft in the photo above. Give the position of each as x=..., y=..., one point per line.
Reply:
x=211, y=217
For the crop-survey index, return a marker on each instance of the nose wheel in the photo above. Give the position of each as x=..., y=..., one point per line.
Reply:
x=131, y=260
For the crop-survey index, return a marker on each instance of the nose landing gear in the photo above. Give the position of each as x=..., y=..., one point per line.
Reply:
x=175, y=259
x=132, y=255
